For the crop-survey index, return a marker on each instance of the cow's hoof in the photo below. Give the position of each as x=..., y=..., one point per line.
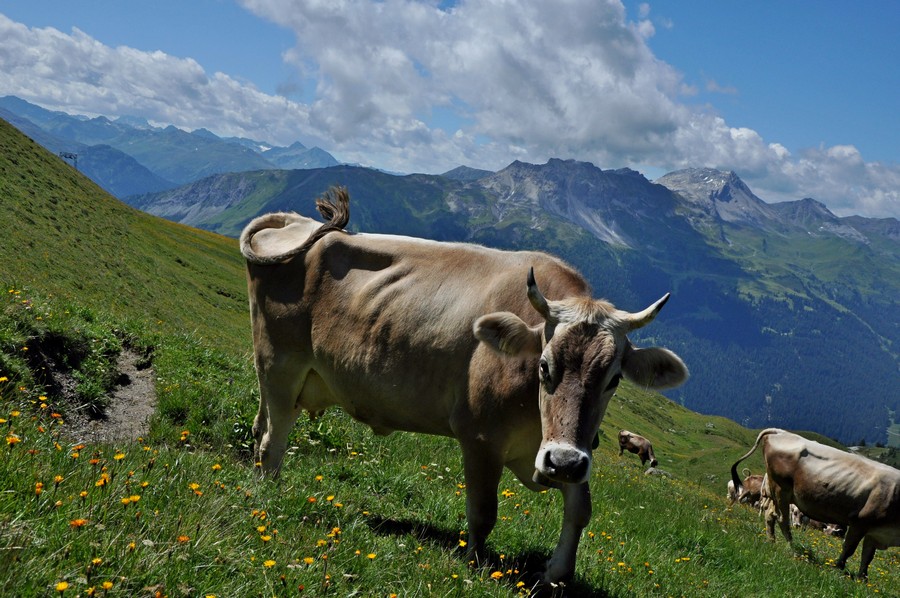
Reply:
x=541, y=588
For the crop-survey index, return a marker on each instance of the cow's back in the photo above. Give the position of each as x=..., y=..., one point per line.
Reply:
x=832, y=485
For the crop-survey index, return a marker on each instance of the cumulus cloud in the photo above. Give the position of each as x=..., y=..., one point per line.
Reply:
x=410, y=86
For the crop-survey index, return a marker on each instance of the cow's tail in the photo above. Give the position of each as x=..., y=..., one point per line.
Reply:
x=333, y=205
x=738, y=486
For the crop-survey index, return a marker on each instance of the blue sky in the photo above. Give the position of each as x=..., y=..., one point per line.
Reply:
x=798, y=98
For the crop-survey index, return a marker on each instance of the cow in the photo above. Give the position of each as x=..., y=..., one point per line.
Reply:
x=831, y=485
x=442, y=338
x=751, y=490
x=637, y=444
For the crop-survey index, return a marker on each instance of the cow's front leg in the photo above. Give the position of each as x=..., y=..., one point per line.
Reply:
x=482, y=473
x=576, y=516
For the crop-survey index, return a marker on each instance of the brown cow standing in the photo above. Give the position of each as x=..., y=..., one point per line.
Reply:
x=637, y=444
x=450, y=339
x=828, y=484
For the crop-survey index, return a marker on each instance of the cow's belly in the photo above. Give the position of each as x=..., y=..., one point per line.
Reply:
x=400, y=406
x=888, y=535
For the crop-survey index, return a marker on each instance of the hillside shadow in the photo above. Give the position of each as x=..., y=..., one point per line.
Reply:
x=527, y=565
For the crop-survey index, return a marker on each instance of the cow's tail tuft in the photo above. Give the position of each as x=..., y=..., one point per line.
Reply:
x=333, y=205
x=738, y=485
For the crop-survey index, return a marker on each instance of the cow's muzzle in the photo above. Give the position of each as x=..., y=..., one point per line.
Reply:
x=562, y=463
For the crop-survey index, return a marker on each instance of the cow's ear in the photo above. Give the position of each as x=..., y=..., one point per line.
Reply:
x=506, y=333
x=653, y=367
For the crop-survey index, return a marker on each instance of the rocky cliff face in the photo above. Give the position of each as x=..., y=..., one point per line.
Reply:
x=719, y=195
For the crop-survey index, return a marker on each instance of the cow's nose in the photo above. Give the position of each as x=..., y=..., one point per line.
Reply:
x=564, y=463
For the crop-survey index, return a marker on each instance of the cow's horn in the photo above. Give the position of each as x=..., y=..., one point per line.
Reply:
x=536, y=298
x=642, y=318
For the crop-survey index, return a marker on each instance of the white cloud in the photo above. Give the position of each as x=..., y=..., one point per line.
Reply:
x=509, y=79
x=78, y=74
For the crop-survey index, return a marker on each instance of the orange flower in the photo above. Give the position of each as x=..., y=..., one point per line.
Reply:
x=184, y=539
x=76, y=523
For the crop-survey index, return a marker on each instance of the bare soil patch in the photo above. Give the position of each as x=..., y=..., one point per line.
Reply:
x=130, y=407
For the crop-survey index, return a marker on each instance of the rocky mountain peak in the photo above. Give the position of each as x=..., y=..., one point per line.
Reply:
x=719, y=194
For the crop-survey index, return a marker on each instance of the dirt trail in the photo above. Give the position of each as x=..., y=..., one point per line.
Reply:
x=131, y=405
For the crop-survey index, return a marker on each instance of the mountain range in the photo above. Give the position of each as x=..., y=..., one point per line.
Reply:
x=785, y=313
x=128, y=156
x=775, y=307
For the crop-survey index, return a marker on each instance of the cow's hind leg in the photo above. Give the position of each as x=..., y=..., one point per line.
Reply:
x=278, y=410
x=260, y=424
x=868, y=553
x=576, y=516
x=852, y=539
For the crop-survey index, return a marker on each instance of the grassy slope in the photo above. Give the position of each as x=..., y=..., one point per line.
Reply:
x=398, y=498
x=64, y=235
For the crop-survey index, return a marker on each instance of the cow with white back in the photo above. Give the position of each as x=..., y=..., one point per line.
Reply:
x=451, y=339
x=829, y=484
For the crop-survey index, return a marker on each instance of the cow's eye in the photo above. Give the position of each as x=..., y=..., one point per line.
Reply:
x=544, y=370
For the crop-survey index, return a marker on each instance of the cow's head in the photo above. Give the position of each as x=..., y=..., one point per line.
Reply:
x=584, y=351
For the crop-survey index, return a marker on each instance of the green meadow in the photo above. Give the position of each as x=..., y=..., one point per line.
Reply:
x=181, y=510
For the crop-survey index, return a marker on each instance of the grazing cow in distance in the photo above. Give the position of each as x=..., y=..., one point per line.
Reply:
x=751, y=490
x=451, y=339
x=637, y=444
x=828, y=484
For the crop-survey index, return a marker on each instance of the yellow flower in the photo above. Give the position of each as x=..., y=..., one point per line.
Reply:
x=126, y=501
x=309, y=560
x=12, y=439
x=265, y=538
x=496, y=575
x=62, y=586
x=106, y=585
x=119, y=456
x=131, y=546
x=96, y=561
x=216, y=467
x=4, y=379
x=269, y=564
x=371, y=556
